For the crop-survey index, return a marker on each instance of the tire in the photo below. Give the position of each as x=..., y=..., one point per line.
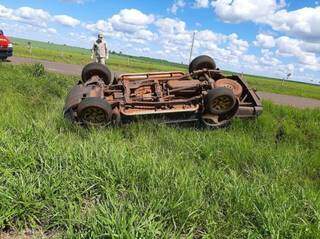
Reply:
x=4, y=58
x=210, y=121
x=69, y=116
x=202, y=62
x=94, y=112
x=220, y=101
x=96, y=69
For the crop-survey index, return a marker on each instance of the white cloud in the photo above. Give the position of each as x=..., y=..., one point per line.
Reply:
x=208, y=35
x=303, y=23
x=75, y=1
x=268, y=59
x=201, y=3
x=99, y=26
x=52, y=30
x=265, y=41
x=171, y=26
x=129, y=25
x=49, y=30
x=130, y=20
x=36, y=17
x=176, y=5
x=288, y=47
x=30, y=14
x=311, y=47
x=5, y=13
x=236, y=11
x=250, y=59
x=175, y=39
x=145, y=34
x=66, y=20
x=237, y=46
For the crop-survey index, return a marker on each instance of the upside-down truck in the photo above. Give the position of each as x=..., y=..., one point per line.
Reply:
x=204, y=95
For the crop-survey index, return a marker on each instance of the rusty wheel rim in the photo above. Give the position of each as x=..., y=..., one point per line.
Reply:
x=232, y=85
x=228, y=86
x=94, y=116
x=222, y=103
x=213, y=120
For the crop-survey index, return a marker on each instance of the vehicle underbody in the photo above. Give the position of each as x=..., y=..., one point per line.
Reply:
x=204, y=95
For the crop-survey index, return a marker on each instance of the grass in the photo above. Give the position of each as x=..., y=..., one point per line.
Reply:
x=123, y=63
x=81, y=56
x=286, y=88
x=152, y=181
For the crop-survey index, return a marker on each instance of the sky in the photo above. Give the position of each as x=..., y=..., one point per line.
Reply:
x=269, y=37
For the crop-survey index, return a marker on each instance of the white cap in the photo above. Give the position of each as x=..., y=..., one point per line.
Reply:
x=100, y=35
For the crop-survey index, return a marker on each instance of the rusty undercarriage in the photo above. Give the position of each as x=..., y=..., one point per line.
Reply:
x=203, y=95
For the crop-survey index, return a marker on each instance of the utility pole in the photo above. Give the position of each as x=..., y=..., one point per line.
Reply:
x=192, y=45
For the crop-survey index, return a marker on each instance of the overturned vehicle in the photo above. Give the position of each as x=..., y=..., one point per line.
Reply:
x=203, y=95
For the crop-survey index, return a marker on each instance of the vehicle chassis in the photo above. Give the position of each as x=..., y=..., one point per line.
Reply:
x=175, y=96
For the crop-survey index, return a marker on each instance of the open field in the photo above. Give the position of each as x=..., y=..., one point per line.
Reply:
x=151, y=181
x=81, y=56
x=122, y=63
x=288, y=88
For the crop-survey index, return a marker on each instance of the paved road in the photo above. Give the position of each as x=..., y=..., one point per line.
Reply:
x=70, y=69
x=67, y=69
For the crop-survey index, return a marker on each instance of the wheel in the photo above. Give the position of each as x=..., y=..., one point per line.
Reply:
x=95, y=112
x=4, y=58
x=230, y=84
x=212, y=121
x=96, y=69
x=202, y=62
x=220, y=101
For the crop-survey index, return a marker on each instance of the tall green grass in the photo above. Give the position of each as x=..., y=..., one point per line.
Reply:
x=146, y=180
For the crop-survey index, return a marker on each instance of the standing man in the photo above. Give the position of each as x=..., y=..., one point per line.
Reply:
x=100, y=50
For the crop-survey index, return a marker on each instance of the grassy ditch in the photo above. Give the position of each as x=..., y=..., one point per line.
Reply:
x=152, y=181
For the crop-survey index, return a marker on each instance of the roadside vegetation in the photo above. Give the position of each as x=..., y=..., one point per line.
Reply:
x=81, y=56
x=256, y=179
x=123, y=63
x=285, y=88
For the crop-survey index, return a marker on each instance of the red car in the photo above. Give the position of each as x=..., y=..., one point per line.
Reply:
x=6, y=48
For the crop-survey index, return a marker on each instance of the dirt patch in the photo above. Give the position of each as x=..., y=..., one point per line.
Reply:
x=29, y=234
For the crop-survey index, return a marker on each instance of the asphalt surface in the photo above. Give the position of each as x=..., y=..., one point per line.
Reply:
x=75, y=70
x=63, y=68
